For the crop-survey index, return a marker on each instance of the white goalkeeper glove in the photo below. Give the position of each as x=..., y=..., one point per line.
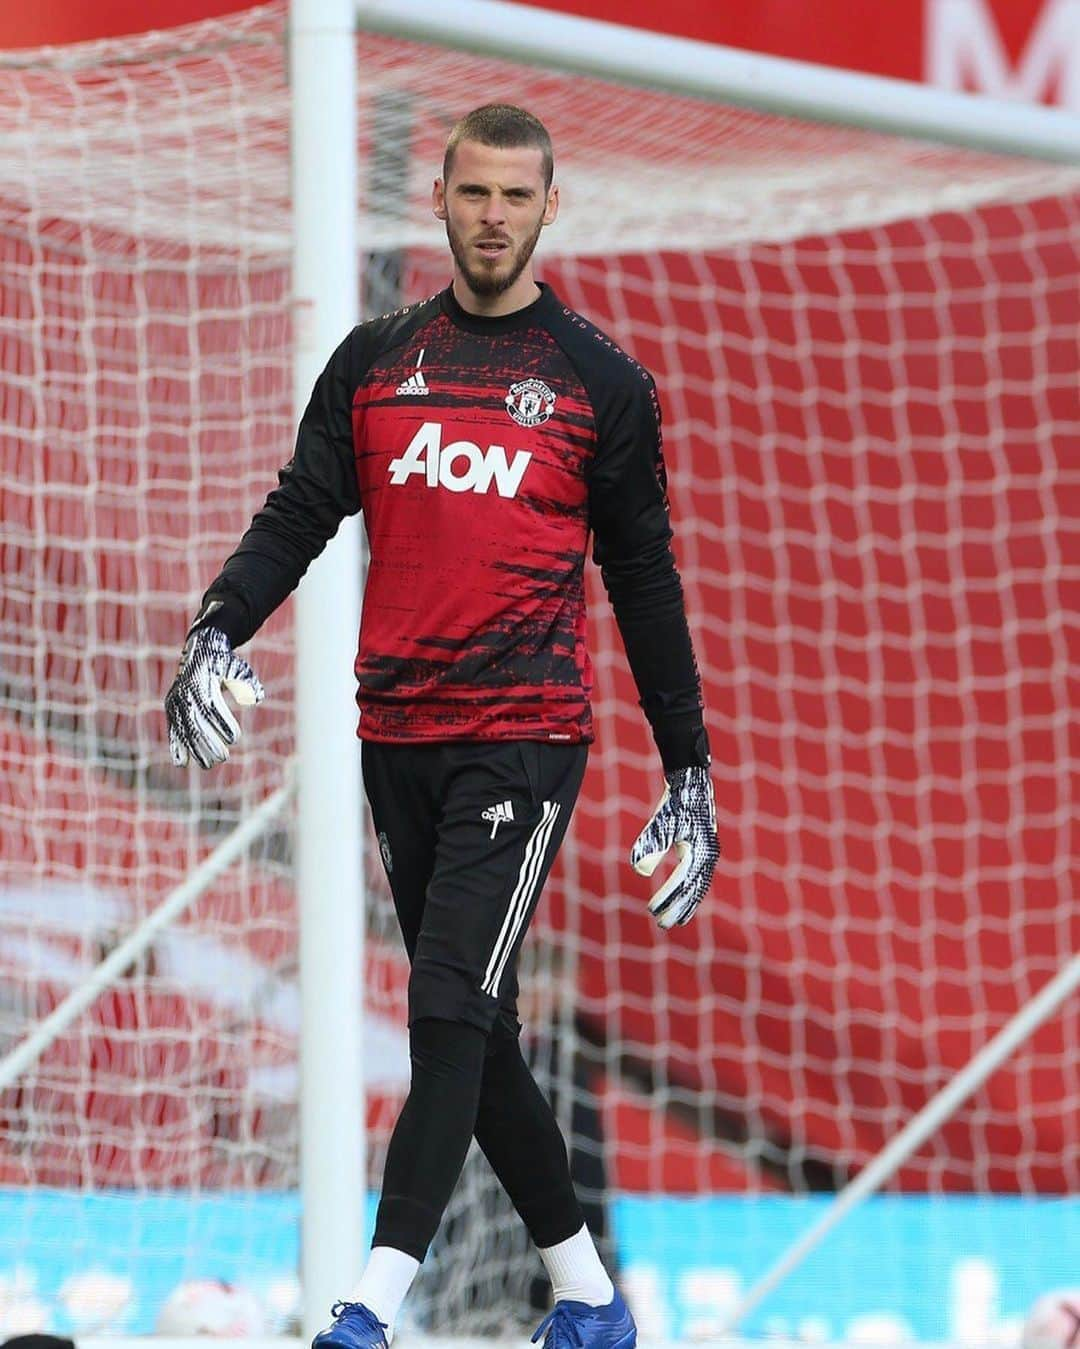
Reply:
x=685, y=819
x=200, y=723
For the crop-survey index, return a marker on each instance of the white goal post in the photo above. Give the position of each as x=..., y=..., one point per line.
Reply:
x=322, y=56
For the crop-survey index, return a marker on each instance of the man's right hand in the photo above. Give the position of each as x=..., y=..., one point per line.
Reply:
x=200, y=723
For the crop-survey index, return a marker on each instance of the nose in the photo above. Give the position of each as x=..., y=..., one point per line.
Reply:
x=495, y=210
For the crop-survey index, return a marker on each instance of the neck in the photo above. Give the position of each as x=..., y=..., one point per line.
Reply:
x=523, y=292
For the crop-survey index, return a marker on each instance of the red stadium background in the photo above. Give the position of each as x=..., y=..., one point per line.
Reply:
x=907, y=915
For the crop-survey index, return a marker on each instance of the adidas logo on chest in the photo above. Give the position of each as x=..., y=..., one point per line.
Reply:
x=415, y=386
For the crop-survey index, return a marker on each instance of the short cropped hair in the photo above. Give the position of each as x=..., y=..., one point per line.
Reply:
x=503, y=127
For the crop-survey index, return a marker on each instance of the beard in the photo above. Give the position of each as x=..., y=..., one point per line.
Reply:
x=486, y=283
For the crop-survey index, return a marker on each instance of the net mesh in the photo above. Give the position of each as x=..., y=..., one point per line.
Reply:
x=866, y=353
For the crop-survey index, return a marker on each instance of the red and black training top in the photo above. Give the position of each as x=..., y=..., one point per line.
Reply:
x=482, y=452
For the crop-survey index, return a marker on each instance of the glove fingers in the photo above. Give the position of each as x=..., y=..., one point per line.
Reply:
x=654, y=840
x=177, y=748
x=666, y=904
x=698, y=879
x=215, y=749
x=203, y=742
x=181, y=733
x=220, y=716
x=190, y=734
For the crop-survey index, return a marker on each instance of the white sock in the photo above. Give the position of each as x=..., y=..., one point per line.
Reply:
x=384, y=1283
x=576, y=1271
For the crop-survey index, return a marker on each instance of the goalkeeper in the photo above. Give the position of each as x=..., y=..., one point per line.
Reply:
x=484, y=433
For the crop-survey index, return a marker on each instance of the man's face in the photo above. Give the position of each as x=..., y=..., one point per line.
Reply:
x=494, y=205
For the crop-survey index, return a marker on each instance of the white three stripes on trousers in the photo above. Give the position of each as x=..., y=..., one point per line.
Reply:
x=521, y=899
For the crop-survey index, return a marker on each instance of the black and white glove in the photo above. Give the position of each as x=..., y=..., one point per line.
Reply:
x=200, y=723
x=685, y=818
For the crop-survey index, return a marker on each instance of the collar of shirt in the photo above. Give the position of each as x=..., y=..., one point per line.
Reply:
x=532, y=313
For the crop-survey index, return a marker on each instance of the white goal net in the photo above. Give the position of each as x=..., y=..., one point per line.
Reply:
x=866, y=350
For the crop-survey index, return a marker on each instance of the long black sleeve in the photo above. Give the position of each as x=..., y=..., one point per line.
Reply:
x=629, y=517
x=316, y=489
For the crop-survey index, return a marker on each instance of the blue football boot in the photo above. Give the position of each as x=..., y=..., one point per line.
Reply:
x=354, y=1327
x=576, y=1325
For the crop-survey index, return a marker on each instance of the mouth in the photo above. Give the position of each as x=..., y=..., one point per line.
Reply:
x=492, y=248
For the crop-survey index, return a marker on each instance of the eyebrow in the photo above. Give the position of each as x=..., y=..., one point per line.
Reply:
x=481, y=187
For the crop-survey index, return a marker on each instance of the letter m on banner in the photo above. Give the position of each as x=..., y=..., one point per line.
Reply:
x=964, y=50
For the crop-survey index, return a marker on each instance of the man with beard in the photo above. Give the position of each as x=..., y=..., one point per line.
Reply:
x=484, y=433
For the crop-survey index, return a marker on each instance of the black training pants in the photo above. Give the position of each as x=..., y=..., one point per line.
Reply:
x=468, y=833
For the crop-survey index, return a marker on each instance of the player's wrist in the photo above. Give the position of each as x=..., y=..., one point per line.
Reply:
x=682, y=742
x=226, y=612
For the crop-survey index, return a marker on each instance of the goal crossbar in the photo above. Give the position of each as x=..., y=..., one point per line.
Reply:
x=764, y=83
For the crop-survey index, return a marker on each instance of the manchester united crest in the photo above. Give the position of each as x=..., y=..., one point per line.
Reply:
x=530, y=402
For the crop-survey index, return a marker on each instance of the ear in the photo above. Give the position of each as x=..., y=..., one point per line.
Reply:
x=551, y=208
x=438, y=199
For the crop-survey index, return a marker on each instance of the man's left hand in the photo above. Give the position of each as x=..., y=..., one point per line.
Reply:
x=685, y=819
